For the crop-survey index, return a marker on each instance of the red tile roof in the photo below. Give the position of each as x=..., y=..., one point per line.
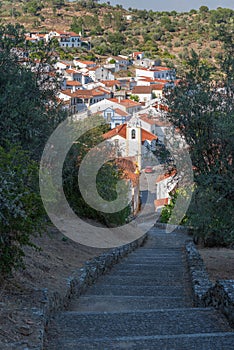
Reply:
x=121, y=131
x=153, y=81
x=121, y=112
x=73, y=83
x=166, y=176
x=71, y=71
x=161, y=202
x=125, y=102
x=88, y=63
x=146, y=119
x=142, y=89
x=161, y=106
x=158, y=86
x=110, y=83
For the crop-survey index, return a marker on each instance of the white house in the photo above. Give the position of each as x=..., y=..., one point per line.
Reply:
x=165, y=183
x=156, y=125
x=65, y=39
x=73, y=74
x=157, y=72
x=143, y=92
x=83, y=64
x=138, y=55
x=100, y=73
x=127, y=105
x=68, y=98
x=145, y=62
x=61, y=66
x=115, y=116
x=122, y=61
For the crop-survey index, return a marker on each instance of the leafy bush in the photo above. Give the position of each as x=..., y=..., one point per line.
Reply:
x=166, y=212
x=21, y=209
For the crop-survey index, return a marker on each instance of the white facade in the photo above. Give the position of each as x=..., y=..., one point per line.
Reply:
x=65, y=39
x=101, y=73
x=156, y=73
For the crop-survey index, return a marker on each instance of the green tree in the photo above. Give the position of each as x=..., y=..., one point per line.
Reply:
x=204, y=9
x=135, y=98
x=107, y=179
x=21, y=211
x=77, y=24
x=29, y=114
x=204, y=113
x=28, y=106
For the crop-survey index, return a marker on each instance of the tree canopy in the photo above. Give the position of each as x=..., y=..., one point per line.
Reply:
x=201, y=106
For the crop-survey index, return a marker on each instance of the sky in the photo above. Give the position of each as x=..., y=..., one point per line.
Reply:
x=169, y=5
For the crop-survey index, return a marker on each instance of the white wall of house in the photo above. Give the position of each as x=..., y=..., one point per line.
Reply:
x=69, y=41
x=148, y=126
x=164, y=187
x=145, y=97
x=61, y=66
x=158, y=93
x=156, y=74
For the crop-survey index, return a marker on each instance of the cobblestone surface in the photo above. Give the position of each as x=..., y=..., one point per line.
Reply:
x=144, y=302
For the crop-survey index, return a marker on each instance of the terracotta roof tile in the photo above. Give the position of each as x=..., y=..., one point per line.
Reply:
x=142, y=89
x=158, y=86
x=121, y=112
x=125, y=102
x=161, y=202
x=121, y=131
x=73, y=83
x=166, y=176
x=71, y=71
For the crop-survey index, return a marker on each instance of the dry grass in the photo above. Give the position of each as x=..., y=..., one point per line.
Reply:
x=219, y=262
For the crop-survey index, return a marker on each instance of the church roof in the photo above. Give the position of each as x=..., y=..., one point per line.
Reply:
x=121, y=130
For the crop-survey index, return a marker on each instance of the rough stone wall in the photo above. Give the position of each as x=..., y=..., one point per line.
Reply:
x=199, y=276
x=219, y=295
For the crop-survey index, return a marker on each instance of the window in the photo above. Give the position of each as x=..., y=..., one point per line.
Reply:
x=108, y=116
x=133, y=134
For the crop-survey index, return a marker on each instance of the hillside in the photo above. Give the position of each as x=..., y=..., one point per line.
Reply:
x=114, y=30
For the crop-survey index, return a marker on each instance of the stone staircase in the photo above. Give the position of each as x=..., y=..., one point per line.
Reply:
x=145, y=302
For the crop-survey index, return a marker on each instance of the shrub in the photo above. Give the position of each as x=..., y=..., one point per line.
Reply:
x=21, y=209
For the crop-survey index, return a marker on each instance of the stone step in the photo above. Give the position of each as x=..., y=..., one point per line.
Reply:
x=156, y=257
x=136, y=290
x=97, y=303
x=150, y=273
x=146, y=280
x=206, y=341
x=143, y=269
x=159, y=322
x=148, y=264
x=156, y=254
x=148, y=248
